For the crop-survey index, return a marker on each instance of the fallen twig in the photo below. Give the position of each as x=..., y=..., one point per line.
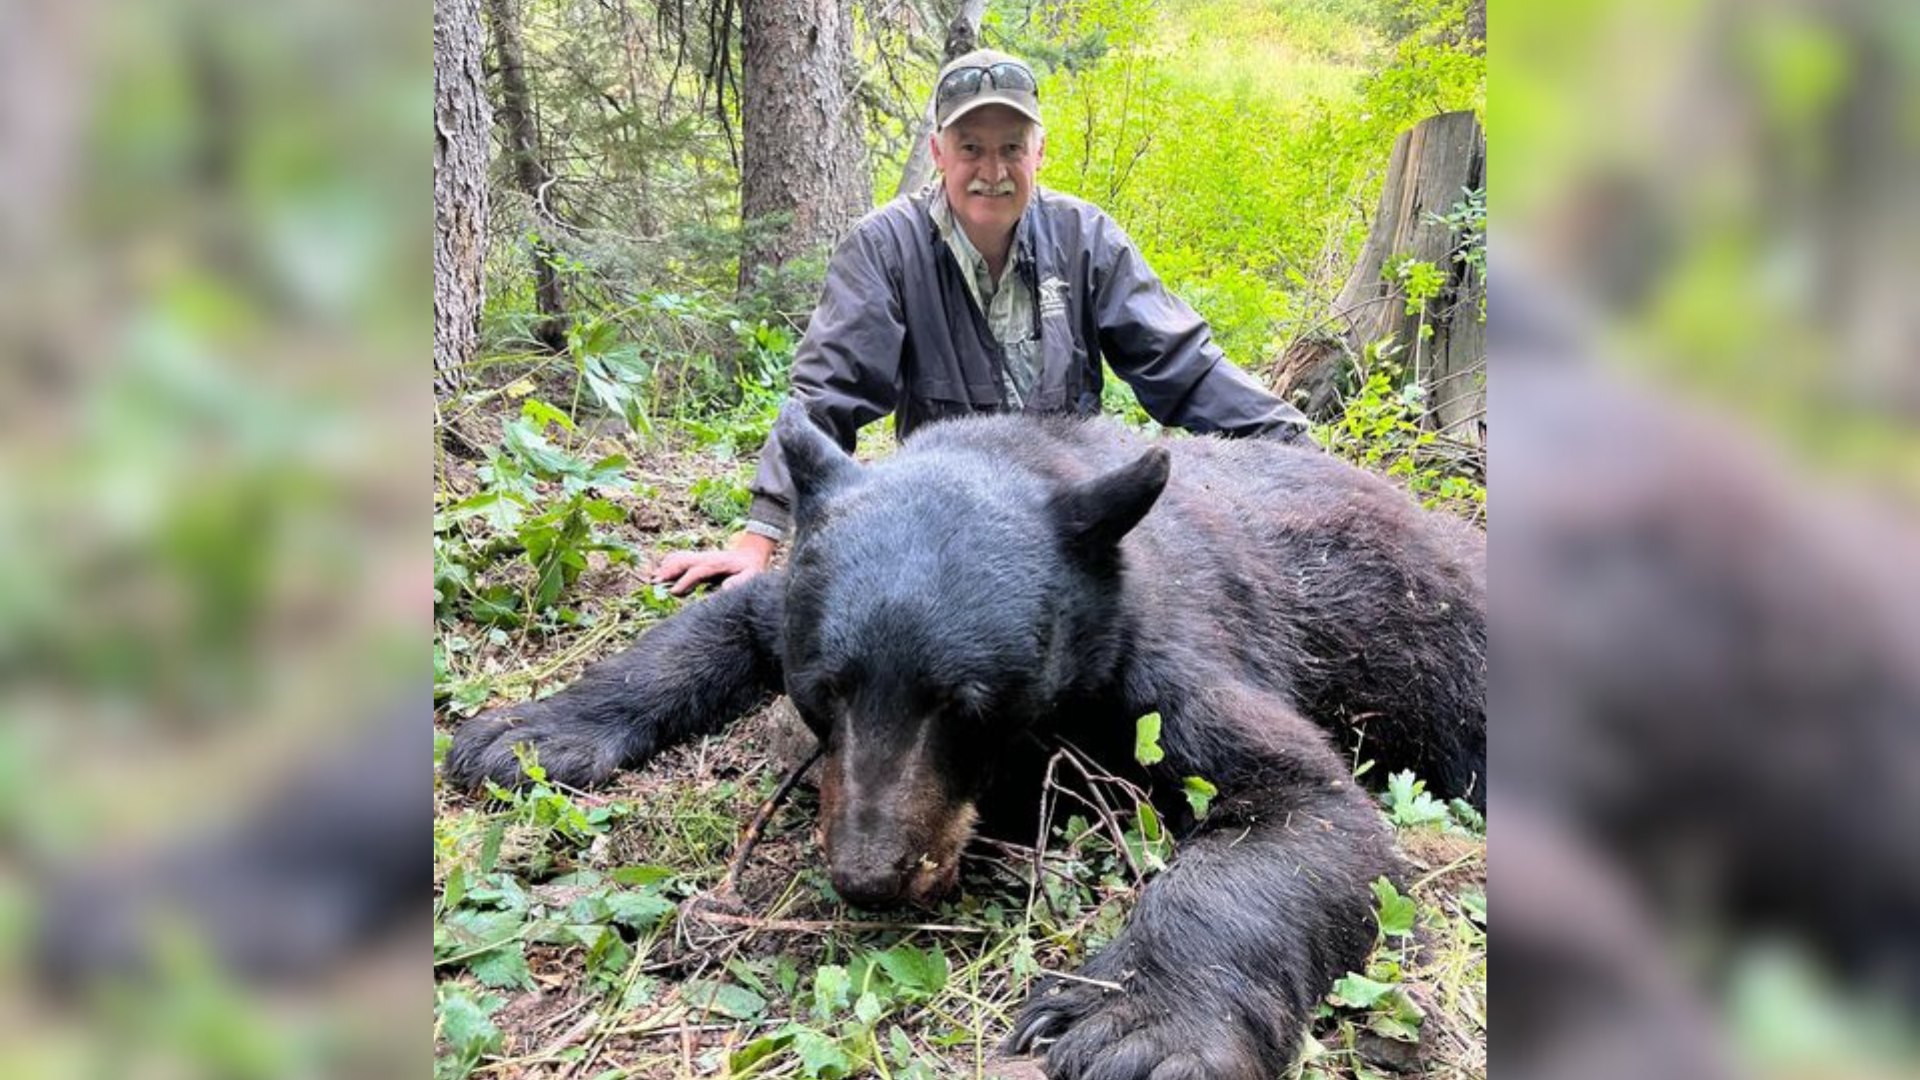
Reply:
x=827, y=926
x=729, y=885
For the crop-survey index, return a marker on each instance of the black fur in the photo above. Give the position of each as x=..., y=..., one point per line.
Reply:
x=1006, y=583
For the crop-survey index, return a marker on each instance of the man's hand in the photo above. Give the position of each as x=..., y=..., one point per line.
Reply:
x=746, y=556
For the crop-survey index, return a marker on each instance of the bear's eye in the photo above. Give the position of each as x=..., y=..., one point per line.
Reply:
x=972, y=701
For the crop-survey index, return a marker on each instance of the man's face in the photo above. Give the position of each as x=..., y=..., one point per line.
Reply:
x=990, y=157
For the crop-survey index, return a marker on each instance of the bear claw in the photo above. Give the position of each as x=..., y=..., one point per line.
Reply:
x=483, y=750
x=1090, y=1033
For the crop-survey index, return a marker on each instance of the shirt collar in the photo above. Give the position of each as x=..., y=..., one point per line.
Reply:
x=950, y=231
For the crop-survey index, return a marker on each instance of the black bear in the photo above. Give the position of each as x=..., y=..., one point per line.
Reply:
x=1003, y=584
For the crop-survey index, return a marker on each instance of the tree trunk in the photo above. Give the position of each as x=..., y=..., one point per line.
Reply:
x=521, y=142
x=459, y=191
x=803, y=170
x=1431, y=169
x=963, y=36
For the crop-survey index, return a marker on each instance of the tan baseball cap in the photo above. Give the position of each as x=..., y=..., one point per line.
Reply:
x=985, y=77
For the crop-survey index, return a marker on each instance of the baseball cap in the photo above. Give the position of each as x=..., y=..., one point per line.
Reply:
x=985, y=77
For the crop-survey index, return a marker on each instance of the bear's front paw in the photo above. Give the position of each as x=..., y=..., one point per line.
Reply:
x=1088, y=1032
x=483, y=749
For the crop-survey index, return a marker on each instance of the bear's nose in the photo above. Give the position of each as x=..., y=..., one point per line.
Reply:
x=868, y=887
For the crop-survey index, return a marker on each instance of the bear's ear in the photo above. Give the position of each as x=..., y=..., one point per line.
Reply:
x=814, y=461
x=1094, y=514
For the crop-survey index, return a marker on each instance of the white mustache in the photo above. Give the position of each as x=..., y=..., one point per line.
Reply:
x=981, y=187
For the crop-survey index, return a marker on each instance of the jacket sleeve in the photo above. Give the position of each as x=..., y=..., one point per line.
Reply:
x=1166, y=352
x=846, y=370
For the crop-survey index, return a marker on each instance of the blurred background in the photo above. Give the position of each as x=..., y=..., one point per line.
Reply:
x=214, y=470
x=214, y=485
x=1705, y=382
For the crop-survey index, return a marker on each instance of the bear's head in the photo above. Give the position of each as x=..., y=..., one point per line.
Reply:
x=940, y=606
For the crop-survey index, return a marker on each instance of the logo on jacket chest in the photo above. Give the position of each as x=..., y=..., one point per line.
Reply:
x=1052, y=297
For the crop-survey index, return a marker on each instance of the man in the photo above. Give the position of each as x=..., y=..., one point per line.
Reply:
x=982, y=293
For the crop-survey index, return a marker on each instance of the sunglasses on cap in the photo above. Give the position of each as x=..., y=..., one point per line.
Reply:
x=965, y=82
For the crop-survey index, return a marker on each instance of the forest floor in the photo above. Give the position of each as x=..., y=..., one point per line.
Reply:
x=582, y=935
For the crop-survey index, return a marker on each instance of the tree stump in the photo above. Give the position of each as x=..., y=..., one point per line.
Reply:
x=1433, y=167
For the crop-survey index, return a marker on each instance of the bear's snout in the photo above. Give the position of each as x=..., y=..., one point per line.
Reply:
x=921, y=882
x=894, y=834
x=869, y=887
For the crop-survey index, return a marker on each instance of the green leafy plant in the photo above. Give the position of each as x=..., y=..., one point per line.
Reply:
x=724, y=500
x=1410, y=806
x=843, y=1012
x=1467, y=220
x=463, y=1020
x=1381, y=430
x=614, y=370
x=1379, y=994
x=554, y=535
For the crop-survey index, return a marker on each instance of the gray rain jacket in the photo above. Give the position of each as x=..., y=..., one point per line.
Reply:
x=896, y=331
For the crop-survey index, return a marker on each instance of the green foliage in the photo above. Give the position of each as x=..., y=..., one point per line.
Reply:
x=724, y=500
x=490, y=916
x=1419, y=281
x=1410, y=806
x=1379, y=994
x=1146, y=740
x=1395, y=912
x=1381, y=430
x=463, y=1020
x=1200, y=794
x=1467, y=221
x=843, y=1011
x=1237, y=143
x=612, y=368
x=553, y=534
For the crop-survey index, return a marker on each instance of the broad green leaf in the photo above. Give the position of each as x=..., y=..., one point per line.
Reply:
x=503, y=968
x=1475, y=905
x=900, y=1045
x=1396, y=911
x=1390, y=1027
x=922, y=973
x=466, y=1021
x=643, y=875
x=469, y=695
x=1199, y=794
x=1410, y=804
x=723, y=999
x=455, y=889
x=503, y=511
x=641, y=910
x=543, y=414
x=741, y=969
x=867, y=1008
x=609, y=957
x=480, y=929
x=831, y=988
x=1464, y=812
x=525, y=442
x=1146, y=740
x=1358, y=991
x=757, y=1051
x=821, y=1055
x=1149, y=823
